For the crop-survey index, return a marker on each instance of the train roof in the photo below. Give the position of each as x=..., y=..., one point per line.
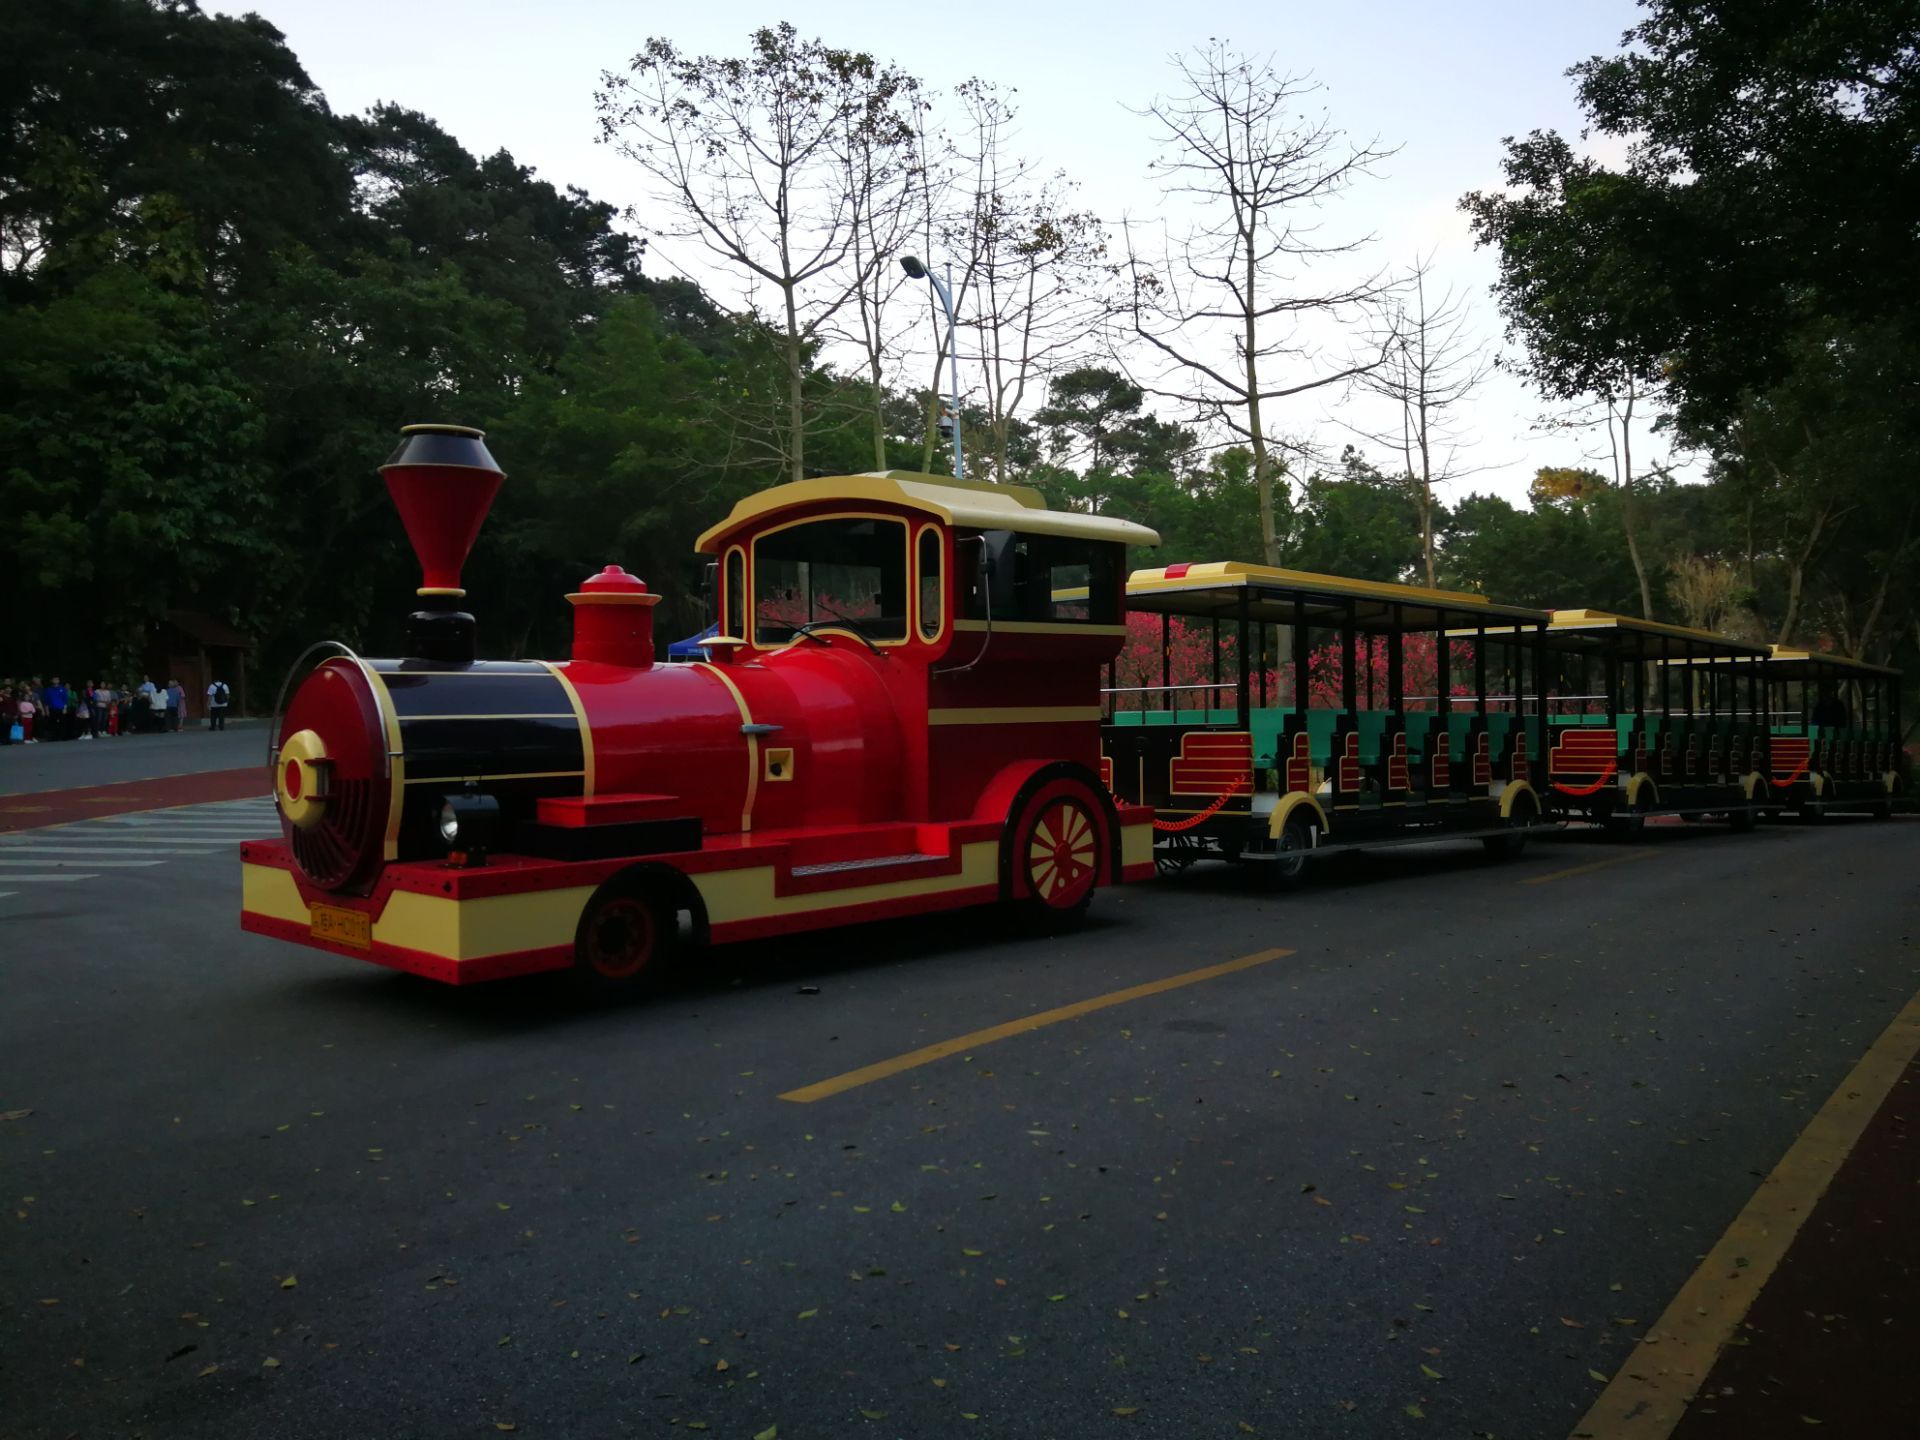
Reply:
x=1654, y=639
x=976, y=504
x=1789, y=662
x=1217, y=588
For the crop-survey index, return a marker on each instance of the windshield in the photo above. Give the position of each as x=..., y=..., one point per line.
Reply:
x=849, y=572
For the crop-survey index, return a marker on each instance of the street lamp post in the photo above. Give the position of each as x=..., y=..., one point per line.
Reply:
x=916, y=271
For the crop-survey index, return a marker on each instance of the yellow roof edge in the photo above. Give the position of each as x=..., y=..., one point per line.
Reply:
x=1221, y=573
x=1608, y=620
x=976, y=503
x=1826, y=657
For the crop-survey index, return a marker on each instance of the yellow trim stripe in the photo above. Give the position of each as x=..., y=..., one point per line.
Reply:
x=1649, y=1394
x=1037, y=627
x=396, y=758
x=1015, y=715
x=526, y=715
x=926, y=1055
x=753, y=741
x=481, y=779
x=580, y=717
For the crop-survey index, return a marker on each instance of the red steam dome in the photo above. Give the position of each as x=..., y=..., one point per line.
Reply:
x=613, y=619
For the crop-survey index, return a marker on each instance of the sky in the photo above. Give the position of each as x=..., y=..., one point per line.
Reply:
x=1443, y=82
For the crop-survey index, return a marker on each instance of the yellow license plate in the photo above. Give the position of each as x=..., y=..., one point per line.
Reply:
x=342, y=926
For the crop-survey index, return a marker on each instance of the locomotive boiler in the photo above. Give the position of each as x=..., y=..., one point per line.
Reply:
x=899, y=713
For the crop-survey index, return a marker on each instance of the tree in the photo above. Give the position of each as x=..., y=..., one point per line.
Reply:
x=1226, y=307
x=1582, y=291
x=1433, y=364
x=751, y=156
x=1362, y=524
x=1032, y=261
x=191, y=145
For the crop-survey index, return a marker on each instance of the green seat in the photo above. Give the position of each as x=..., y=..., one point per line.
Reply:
x=1320, y=728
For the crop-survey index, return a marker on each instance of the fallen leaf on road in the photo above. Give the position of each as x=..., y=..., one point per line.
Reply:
x=1431, y=1373
x=1125, y=1410
x=205, y=1371
x=1414, y=1411
x=1572, y=1324
x=6, y=1115
x=270, y=1363
x=720, y=1365
x=1598, y=1376
x=772, y=1432
x=806, y=1314
x=874, y=1414
x=505, y=1425
x=289, y=1282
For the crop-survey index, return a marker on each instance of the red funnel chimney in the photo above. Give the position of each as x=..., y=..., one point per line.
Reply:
x=442, y=481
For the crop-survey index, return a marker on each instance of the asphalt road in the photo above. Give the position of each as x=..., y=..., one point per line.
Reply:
x=1430, y=1173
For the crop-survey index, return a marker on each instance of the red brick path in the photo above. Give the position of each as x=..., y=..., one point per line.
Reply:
x=60, y=807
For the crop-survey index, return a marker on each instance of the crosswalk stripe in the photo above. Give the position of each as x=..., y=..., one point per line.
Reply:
x=104, y=853
x=57, y=859
x=20, y=879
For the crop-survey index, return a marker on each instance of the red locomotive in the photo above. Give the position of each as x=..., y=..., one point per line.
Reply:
x=900, y=713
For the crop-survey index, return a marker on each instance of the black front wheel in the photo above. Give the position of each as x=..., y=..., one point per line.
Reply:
x=626, y=939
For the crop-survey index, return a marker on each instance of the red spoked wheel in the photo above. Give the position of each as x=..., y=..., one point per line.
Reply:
x=1056, y=850
x=626, y=938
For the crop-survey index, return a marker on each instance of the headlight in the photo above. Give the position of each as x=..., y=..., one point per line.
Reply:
x=469, y=823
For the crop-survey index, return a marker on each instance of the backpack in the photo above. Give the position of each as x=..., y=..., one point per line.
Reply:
x=219, y=692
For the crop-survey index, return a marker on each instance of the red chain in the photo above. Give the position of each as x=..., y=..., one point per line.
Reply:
x=1593, y=789
x=1174, y=826
x=1787, y=783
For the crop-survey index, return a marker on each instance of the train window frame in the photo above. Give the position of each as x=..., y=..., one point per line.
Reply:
x=851, y=624
x=937, y=573
x=733, y=594
x=1013, y=600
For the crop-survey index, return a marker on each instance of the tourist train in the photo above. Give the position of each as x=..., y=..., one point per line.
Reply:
x=911, y=701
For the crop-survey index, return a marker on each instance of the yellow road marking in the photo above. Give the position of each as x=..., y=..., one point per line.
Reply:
x=926, y=1055
x=1649, y=1394
x=1591, y=865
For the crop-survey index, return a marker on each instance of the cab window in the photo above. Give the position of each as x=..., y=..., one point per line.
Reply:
x=932, y=595
x=1050, y=578
x=846, y=572
x=733, y=618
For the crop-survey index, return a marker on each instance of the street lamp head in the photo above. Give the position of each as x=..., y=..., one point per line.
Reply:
x=911, y=264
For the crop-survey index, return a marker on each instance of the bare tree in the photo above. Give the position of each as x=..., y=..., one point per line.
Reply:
x=1033, y=264
x=750, y=155
x=1434, y=363
x=883, y=149
x=1226, y=306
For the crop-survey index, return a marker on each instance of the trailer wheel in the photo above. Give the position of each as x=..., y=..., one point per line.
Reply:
x=1055, y=853
x=1290, y=854
x=1514, y=843
x=1629, y=823
x=626, y=938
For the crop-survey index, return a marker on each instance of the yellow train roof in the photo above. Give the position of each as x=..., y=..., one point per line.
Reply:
x=1655, y=639
x=976, y=504
x=1216, y=588
x=1785, y=660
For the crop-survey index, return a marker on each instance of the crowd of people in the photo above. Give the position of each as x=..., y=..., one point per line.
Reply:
x=32, y=711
